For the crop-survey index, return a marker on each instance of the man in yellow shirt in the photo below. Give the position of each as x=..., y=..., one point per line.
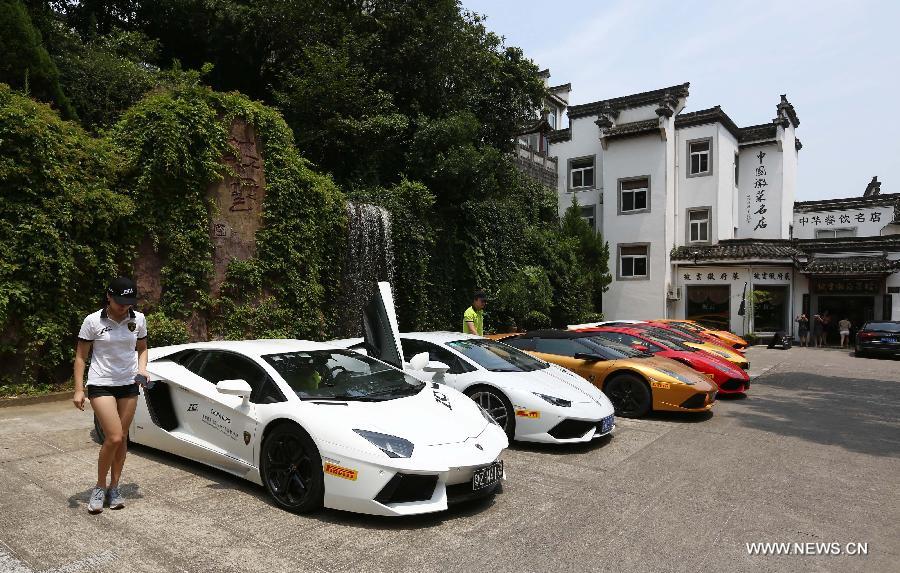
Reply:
x=473, y=318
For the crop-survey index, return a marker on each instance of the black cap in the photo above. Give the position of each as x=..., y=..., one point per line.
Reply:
x=123, y=290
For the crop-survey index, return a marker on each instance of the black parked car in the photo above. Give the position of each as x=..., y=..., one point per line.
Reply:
x=878, y=337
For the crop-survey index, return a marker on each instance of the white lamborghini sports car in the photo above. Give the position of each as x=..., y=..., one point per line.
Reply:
x=530, y=399
x=318, y=425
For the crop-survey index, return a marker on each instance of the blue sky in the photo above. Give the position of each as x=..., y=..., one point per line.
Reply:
x=837, y=61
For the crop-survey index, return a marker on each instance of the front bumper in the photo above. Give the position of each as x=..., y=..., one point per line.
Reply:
x=434, y=477
x=581, y=422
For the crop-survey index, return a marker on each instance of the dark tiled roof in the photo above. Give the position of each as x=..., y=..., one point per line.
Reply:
x=850, y=265
x=849, y=203
x=561, y=135
x=560, y=88
x=787, y=249
x=850, y=244
x=738, y=249
x=632, y=129
x=705, y=116
x=624, y=102
x=753, y=133
x=788, y=108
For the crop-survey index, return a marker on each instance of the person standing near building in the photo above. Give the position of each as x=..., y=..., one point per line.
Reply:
x=803, y=329
x=844, y=328
x=117, y=336
x=818, y=329
x=473, y=318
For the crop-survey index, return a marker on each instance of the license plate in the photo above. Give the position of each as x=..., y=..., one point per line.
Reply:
x=487, y=476
x=889, y=340
x=607, y=424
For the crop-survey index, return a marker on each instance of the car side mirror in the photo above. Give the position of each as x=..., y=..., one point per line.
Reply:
x=588, y=357
x=641, y=348
x=419, y=361
x=235, y=387
x=436, y=367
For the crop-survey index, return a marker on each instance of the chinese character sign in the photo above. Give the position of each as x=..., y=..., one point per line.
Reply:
x=757, y=201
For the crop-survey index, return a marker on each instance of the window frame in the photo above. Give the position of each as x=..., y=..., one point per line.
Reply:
x=265, y=382
x=570, y=187
x=632, y=277
x=709, y=157
x=690, y=224
x=457, y=364
x=834, y=231
x=589, y=219
x=620, y=193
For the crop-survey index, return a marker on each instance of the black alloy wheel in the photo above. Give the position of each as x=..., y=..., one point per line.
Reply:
x=497, y=405
x=291, y=469
x=629, y=395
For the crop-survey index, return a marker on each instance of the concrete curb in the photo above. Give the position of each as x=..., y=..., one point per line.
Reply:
x=43, y=398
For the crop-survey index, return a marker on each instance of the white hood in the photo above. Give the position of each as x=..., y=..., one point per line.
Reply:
x=434, y=416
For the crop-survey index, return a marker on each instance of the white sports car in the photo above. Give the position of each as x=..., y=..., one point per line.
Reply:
x=532, y=400
x=320, y=425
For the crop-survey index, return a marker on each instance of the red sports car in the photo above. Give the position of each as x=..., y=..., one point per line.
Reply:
x=680, y=331
x=729, y=378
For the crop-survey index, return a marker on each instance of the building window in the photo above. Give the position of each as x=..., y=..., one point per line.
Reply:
x=634, y=195
x=699, y=157
x=551, y=118
x=633, y=262
x=737, y=169
x=835, y=233
x=581, y=173
x=589, y=214
x=698, y=225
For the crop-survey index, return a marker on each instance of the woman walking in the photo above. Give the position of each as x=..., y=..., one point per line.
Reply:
x=117, y=335
x=803, y=329
x=844, y=328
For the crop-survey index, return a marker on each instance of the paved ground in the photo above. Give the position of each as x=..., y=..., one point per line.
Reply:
x=812, y=455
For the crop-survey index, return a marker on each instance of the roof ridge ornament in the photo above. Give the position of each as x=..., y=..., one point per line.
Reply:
x=873, y=189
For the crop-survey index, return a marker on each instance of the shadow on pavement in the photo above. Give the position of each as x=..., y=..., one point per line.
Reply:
x=225, y=481
x=129, y=491
x=859, y=415
x=563, y=449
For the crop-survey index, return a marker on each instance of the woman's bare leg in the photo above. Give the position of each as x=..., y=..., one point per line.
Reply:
x=108, y=415
x=126, y=408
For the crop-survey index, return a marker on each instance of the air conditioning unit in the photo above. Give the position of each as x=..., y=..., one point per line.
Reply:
x=674, y=293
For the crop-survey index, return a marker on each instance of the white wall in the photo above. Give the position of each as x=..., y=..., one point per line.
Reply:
x=632, y=157
x=773, y=194
x=789, y=157
x=585, y=141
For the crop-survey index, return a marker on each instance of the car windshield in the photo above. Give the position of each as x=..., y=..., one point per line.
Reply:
x=672, y=335
x=884, y=326
x=496, y=356
x=613, y=350
x=341, y=375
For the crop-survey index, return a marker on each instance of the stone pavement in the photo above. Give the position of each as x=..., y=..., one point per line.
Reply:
x=811, y=455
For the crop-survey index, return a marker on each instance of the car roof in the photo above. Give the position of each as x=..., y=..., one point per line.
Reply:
x=556, y=334
x=440, y=336
x=247, y=347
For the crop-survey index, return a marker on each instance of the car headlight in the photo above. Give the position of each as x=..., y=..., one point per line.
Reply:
x=721, y=367
x=393, y=446
x=487, y=415
x=680, y=377
x=554, y=400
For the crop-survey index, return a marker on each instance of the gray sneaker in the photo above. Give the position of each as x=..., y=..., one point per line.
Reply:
x=97, y=498
x=116, y=501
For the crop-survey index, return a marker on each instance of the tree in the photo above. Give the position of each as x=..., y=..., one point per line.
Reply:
x=24, y=62
x=592, y=249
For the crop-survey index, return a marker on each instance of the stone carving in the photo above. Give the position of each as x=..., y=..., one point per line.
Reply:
x=237, y=203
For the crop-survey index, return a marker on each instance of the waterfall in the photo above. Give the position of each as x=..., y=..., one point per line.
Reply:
x=369, y=259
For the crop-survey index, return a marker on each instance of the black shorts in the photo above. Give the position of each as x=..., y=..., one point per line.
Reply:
x=117, y=392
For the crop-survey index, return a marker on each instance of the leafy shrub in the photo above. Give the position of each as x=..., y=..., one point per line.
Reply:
x=535, y=319
x=164, y=331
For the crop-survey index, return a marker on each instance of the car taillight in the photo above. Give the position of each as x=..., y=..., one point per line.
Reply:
x=865, y=335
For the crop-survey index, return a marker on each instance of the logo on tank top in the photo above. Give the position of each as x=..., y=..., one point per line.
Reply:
x=131, y=326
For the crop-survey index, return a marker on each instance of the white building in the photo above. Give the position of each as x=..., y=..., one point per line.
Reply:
x=699, y=213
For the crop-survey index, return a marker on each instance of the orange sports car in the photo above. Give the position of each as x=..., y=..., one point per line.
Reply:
x=733, y=340
x=635, y=382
